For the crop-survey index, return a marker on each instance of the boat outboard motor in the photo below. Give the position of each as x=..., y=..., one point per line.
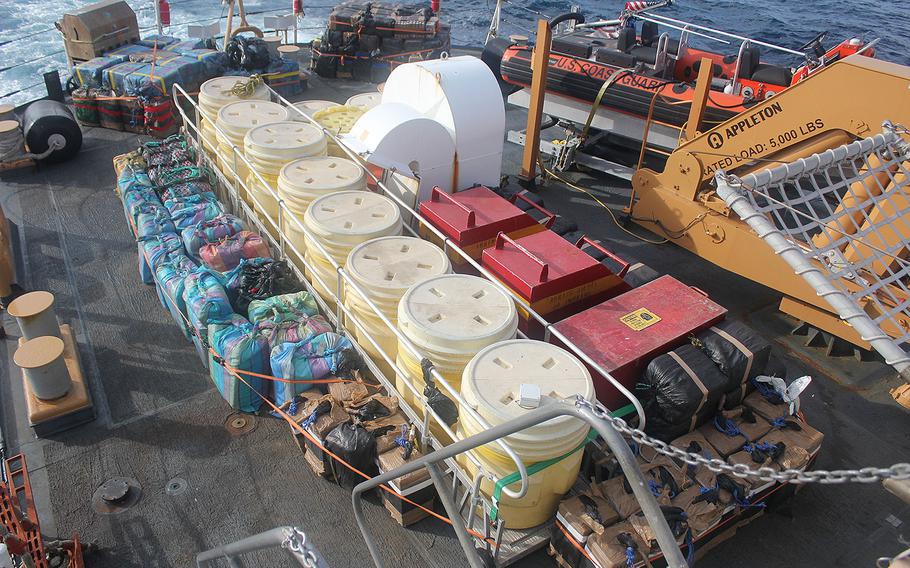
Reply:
x=47, y=123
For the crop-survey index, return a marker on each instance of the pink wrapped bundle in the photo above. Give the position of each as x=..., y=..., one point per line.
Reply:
x=227, y=253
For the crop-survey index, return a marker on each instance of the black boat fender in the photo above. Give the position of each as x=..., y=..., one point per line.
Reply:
x=45, y=122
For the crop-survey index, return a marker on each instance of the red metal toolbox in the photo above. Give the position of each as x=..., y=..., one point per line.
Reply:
x=624, y=333
x=472, y=218
x=554, y=276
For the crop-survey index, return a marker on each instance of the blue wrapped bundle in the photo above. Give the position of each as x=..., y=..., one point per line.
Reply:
x=185, y=190
x=114, y=77
x=185, y=45
x=284, y=77
x=152, y=219
x=214, y=63
x=175, y=204
x=159, y=40
x=313, y=358
x=185, y=174
x=206, y=299
x=296, y=306
x=136, y=197
x=89, y=73
x=244, y=348
x=130, y=179
x=131, y=49
x=155, y=250
x=190, y=211
x=213, y=230
x=170, y=277
x=279, y=331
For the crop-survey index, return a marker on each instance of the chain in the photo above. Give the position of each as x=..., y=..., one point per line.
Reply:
x=296, y=543
x=864, y=475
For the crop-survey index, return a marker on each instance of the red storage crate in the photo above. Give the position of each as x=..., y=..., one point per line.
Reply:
x=471, y=219
x=554, y=276
x=624, y=333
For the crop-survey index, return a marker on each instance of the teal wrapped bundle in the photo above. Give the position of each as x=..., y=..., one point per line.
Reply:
x=314, y=358
x=88, y=73
x=191, y=211
x=136, y=197
x=154, y=251
x=206, y=299
x=242, y=346
x=185, y=174
x=158, y=41
x=185, y=190
x=279, y=331
x=152, y=219
x=183, y=46
x=131, y=178
x=176, y=205
x=170, y=277
x=296, y=306
x=210, y=231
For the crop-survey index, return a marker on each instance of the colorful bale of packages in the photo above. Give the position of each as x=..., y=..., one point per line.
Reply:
x=240, y=346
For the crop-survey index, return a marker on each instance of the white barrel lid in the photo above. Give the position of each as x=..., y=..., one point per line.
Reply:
x=455, y=312
x=365, y=101
x=321, y=174
x=492, y=379
x=284, y=140
x=358, y=215
x=339, y=119
x=8, y=126
x=238, y=117
x=212, y=92
x=394, y=264
x=311, y=108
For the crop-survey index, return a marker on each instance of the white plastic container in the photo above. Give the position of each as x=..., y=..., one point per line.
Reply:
x=493, y=383
x=34, y=312
x=341, y=221
x=306, y=179
x=41, y=360
x=366, y=101
x=449, y=319
x=214, y=94
x=235, y=120
x=311, y=108
x=269, y=148
x=385, y=268
x=338, y=120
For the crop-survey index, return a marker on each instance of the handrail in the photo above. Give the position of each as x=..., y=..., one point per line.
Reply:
x=664, y=19
x=580, y=410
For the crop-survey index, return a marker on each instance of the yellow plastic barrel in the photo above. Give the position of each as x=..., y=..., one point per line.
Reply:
x=366, y=101
x=214, y=94
x=310, y=108
x=269, y=148
x=340, y=221
x=306, y=179
x=235, y=120
x=385, y=268
x=503, y=382
x=450, y=318
x=338, y=120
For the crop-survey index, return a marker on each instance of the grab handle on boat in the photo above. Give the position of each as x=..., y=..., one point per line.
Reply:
x=502, y=238
x=547, y=212
x=556, y=20
x=438, y=194
x=625, y=265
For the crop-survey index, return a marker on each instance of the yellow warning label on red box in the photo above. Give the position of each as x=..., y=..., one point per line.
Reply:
x=640, y=319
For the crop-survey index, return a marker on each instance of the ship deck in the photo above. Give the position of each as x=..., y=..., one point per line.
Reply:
x=159, y=418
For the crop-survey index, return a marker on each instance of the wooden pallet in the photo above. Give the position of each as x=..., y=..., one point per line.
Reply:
x=17, y=164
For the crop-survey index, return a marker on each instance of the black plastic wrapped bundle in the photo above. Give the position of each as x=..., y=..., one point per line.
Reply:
x=681, y=386
x=739, y=352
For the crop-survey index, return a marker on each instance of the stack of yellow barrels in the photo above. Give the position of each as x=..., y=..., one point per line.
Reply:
x=214, y=94
x=303, y=180
x=338, y=120
x=269, y=148
x=450, y=318
x=310, y=108
x=505, y=381
x=235, y=120
x=385, y=268
x=340, y=221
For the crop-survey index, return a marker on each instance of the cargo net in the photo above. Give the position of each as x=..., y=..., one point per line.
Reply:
x=848, y=210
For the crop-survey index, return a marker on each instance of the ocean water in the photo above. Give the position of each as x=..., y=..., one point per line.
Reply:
x=30, y=45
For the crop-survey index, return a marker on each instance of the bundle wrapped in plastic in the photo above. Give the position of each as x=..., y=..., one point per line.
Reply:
x=739, y=352
x=296, y=306
x=155, y=250
x=152, y=219
x=206, y=299
x=357, y=447
x=191, y=211
x=243, y=347
x=312, y=359
x=279, y=332
x=677, y=520
x=183, y=219
x=587, y=513
x=681, y=386
x=731, y=429
x=156, y=173
x=618, y=546
x=227, y=253
x=703, y=510
x=187, y=189
x=184, y=175
x=258, y=279
x=171, y=279
x=210, y=231
x=136, y=197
